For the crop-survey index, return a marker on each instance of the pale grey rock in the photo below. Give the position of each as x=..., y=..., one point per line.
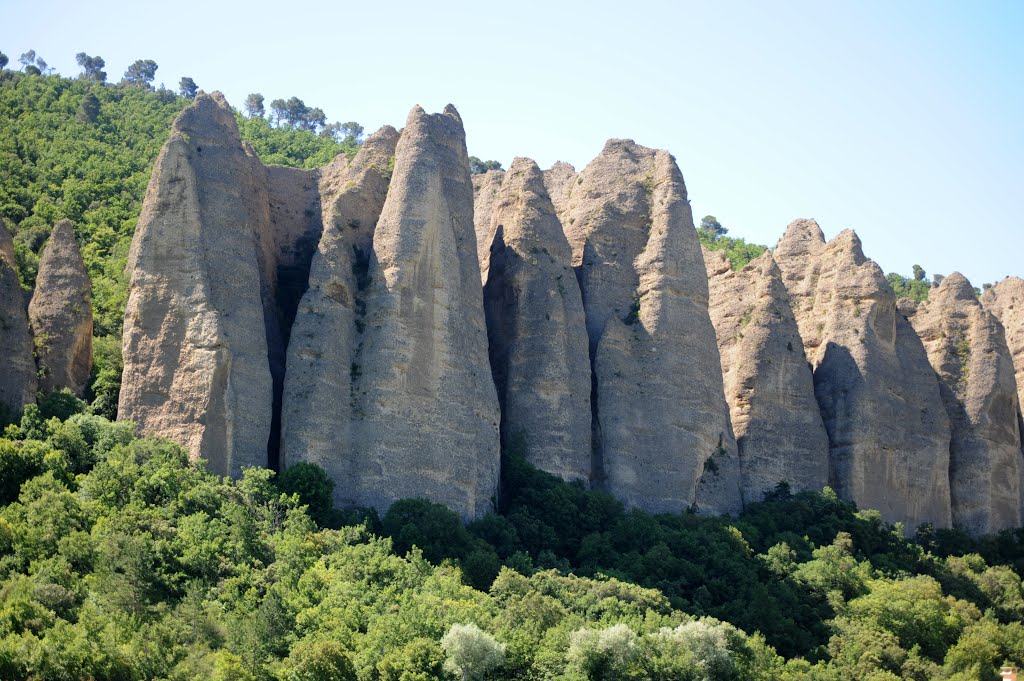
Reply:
x=560, y=180
x=1006, y=301
x=486, y=187
x=60, y=314
x=317, y=404
x=768, y=383
x=879, y=397
x=967, y=348
x=663, y=439
x=195, y=331
x=425, y=410
x=18, y=381
x=536, y=327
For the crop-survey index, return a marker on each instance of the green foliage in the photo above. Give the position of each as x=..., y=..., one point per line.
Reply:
x=141, y=74
x=913, y=288
x=314, y=487
x=712, y=235
x=476, y=166
x=470, y=652
x=291, y=146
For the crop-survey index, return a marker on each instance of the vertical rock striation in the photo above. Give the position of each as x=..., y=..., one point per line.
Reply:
x=1006, y=301
x=768, y=383
x=486, y=187
x=60, y=314
x=560, y=180
x=317, y=406
x=536, y=327
x=967, y=348
x=195, y=332
x=425, y=410
x=661, y=429
x=889, y=435
x=18, y=380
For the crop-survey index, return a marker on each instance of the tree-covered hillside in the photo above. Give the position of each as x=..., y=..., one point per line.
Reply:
x=121, y=560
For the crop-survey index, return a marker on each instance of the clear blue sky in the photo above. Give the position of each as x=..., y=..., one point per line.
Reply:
x=902, y=120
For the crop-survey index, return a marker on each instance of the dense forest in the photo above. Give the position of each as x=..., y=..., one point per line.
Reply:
x=120, y=559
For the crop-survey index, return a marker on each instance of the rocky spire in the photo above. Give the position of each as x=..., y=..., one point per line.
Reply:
x=1006, y=301
x=317, y=413
x=662, y=434
x=60, y=314
x=425, y=408
x=486, y=187
x=967, y=348
x=17, y=368
x=536, y=327
x=560, y=180
x=195, y=330
x=768, y=383
x=879, y=398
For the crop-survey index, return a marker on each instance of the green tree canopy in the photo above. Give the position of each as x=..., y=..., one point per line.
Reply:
x=141, y=73
x=92, y=67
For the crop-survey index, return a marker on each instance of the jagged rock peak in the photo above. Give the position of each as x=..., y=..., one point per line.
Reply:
x=317, y=402
x=1006, y=301
x=537, y=329
x=18, y=379
x=486, y=187
x=195, y=332
x=425, y=407
x=768, y=383
x=560, y=180
x=60, y=314
x=879, y=397
x=967, y=348
x=662, y=435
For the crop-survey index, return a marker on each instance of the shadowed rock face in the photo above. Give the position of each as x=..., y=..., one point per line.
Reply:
x=17, y=367
x=60, y=314
x=425, y=408
x=195, y=331
x=317, y=413
x=662, y=437
x=560, y=180
x=1006, y=301
x=486, y=187
x=967, y=348
x=536, y=327
x=879, y=398
x=768, y=383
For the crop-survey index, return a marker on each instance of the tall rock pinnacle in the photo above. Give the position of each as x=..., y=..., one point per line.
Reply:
x=18, y=381
x=1006, y=301
x=967, y=348
x=536, y=326
x=61, y=314
x=317, y=411
x=195, y=331
x=486, y=187
x=889, y=435
x=425, y=408
x=662, y=436
x=768, y=383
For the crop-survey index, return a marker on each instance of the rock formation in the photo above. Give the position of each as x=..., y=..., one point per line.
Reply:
x=967, y=348
x=486, y=187
x=425, y=409
x=768, y=383
x=60, y=314
x=560, y=180
x=1006, y=301
x=17, y=367
x=879, y=397
x=662, y=436
x=317, y=413
x=536, y=327
x=196, y=367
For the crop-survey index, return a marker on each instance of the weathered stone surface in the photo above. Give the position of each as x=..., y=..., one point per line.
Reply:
x=1006, y=301
x=486, y=187
x=663, y=439
x=317, y=413
x=426, y=412
x=768, y=383
x=879, y=397
x=967, y=348
x=18, y=381
x=60, y=314
x=536, y=327
x=560, y=180
x=195, y=331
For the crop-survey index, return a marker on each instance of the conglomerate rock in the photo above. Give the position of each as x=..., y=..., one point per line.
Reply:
x=536, y=327
x=888, y=432
x=18, y=380
x=486, y=187
x=967, y=348
x=425, y=407
x=768, y=383
x=60, y=314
